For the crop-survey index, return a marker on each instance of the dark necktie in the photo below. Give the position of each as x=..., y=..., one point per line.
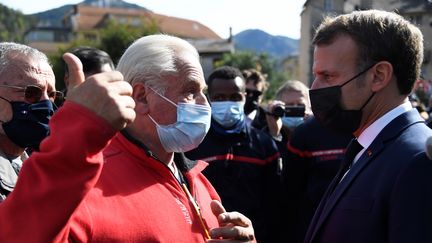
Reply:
x=354, y=147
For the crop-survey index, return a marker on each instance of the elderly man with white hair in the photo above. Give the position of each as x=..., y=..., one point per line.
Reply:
x=147, y=190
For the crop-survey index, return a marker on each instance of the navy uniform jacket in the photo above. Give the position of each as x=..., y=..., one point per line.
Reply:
x=243, y=170
x=387, y=194
x=311, y=160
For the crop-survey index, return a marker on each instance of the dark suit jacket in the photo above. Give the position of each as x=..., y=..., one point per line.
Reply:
x=387, y=194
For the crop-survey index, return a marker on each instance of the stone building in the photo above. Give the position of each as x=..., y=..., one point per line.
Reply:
x=418, y=11
x=85, y=22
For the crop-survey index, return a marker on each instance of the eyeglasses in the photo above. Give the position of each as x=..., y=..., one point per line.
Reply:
x=33, y=93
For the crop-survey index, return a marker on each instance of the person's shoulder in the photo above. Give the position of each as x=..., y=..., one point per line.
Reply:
x=309, y=126
x=260, y=136
x=408, y=145
x=258, y=132
x=418, y=169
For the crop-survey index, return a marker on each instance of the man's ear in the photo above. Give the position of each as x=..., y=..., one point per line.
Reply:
x=383, y=74
x=140, y=96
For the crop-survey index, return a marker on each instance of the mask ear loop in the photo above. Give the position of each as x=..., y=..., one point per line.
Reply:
x=358, y=75
x=367, y=101
x=163, y=97
x=151, y=118
x=3, y=98
x=7, y=101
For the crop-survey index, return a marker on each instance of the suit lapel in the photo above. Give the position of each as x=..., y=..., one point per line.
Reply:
x=320, y=213
x=389, y=133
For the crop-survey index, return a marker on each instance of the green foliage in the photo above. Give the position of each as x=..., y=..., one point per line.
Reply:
x=277, y=80
x=262, y=62
x=116, y=37
x=13, y=24
x=58, y=64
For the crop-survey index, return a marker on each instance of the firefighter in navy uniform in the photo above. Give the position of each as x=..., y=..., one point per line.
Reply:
x=243, y=161
x=313, y=157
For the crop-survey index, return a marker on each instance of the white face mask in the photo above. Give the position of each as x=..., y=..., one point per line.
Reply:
x=227, y=113
x=193, y=123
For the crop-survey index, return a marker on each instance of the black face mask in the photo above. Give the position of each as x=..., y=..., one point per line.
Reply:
x=29, y=123
x=326, y=107
x=251, y=103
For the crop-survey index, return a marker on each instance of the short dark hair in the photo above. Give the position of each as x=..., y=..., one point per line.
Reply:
x=92, y=59
x=380, y=36
x=224, y=72
x=255, y=76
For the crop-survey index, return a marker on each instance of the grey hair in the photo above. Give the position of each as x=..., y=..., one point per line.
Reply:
x=9, y=50
x=294, y=85
x=152, y=58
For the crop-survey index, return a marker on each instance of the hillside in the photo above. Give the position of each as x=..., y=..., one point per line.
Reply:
x=13, y=24
x=259, y=41
x=53, y=17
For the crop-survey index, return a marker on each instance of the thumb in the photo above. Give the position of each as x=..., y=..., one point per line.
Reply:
x=217, y=208
x=75, y=68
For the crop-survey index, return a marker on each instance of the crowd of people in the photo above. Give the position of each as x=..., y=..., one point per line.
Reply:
x=150, y=150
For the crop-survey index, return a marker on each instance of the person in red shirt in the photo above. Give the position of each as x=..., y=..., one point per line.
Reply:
x=145, y=190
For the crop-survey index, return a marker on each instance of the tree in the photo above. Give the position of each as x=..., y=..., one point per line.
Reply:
x=56, y=60
x=114, y=38
x=13, y=24
x=261, y=62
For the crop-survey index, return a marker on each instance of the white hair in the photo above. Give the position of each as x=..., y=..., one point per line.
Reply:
x=9, y=50
x=152, y=58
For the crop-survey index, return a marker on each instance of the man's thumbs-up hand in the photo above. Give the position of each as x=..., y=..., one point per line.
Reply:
x=106, y=94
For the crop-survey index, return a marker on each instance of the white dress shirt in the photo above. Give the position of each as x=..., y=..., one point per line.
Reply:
x=371, y=132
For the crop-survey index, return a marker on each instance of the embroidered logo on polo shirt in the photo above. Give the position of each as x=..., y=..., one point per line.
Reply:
x=184, y=211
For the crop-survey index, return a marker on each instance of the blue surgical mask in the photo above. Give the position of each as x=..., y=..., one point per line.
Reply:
x=227, y=113
x=192, y=125
x=291, y=122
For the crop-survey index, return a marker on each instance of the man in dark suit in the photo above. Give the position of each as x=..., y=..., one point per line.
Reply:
x=365, y=65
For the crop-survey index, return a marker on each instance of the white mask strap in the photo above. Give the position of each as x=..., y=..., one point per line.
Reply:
x=151, y=118
x=163, y=97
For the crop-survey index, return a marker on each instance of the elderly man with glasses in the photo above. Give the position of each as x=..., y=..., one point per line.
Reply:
x=27, y=96
x=27, y=92
x=70, y=158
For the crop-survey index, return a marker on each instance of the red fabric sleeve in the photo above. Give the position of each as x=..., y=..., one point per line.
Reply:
x=54, y=181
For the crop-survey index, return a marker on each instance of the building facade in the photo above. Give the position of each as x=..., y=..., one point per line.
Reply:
x=85, y=22
x=418, y=11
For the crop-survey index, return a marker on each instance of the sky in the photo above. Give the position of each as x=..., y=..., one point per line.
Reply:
x=276, y=17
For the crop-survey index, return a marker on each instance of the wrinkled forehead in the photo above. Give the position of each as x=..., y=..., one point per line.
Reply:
x=189, y=68
x=27, y=70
